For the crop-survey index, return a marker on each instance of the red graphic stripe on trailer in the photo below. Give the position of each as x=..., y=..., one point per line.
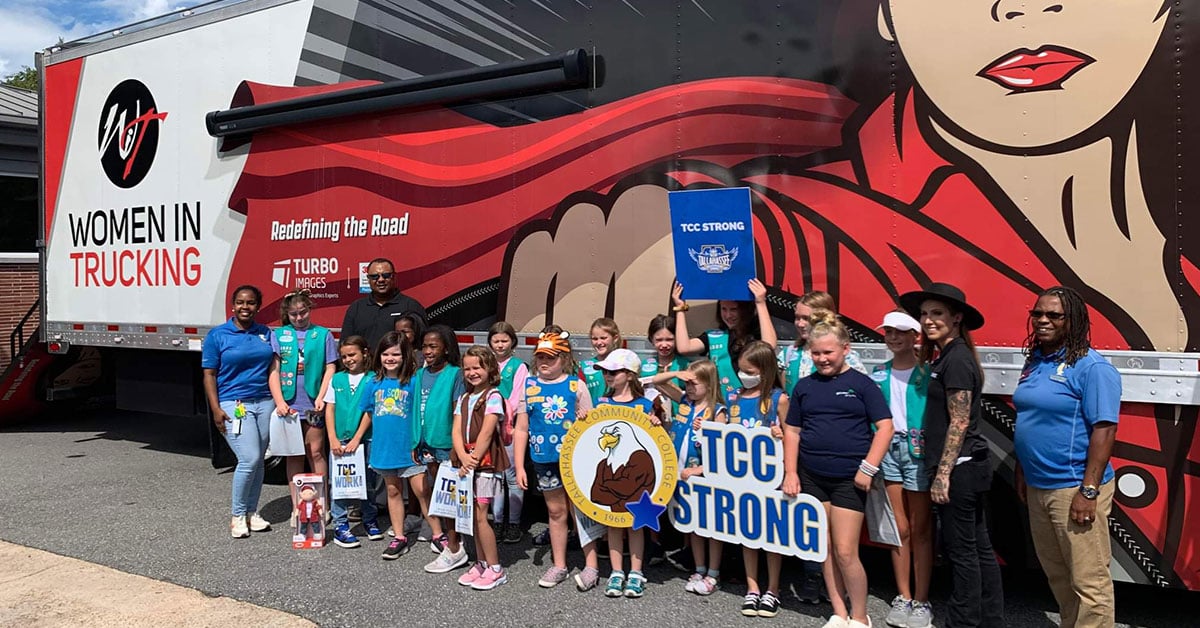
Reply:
x=61, y=82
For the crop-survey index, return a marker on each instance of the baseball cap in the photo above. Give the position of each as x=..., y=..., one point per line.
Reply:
x=901, y=321
x=552, y=344
x=618, y=360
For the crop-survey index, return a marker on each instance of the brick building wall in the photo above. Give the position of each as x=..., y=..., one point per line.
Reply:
x=18, y=291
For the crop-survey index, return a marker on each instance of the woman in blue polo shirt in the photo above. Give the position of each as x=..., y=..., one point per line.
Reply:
x=238, y=361
x=1068, y=400
x=738, y=324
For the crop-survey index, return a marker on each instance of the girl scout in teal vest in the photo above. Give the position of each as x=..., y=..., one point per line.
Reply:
x=904, y=381
x=739, y=323
x=605, y=336
x=306, y=355
x=661, y=333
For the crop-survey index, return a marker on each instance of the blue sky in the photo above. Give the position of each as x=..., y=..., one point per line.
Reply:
x=31, y=25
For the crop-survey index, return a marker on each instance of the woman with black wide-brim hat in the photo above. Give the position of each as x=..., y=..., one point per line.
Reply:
x=957, y=451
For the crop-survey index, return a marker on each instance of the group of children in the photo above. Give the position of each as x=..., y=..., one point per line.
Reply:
x=414, y=403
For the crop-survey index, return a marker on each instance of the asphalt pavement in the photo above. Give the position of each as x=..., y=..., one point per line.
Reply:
x=137, y=493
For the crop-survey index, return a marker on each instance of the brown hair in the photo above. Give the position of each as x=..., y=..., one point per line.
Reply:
x=610, y=326
x=502, y=327
x=636, y=388
x=408, y=365
x=487, y=360
x=818, y=300
x=706, y=372
x=354, y=341
x=299, y=297
x=762, y=356
x=929, y=348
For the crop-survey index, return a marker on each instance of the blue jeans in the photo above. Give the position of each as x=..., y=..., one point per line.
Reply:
x=370, y=512
x=250, y=446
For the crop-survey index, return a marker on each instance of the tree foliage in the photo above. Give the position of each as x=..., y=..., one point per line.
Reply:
x=25, y=78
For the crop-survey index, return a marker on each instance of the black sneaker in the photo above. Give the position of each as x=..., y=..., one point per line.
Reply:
x=750, y=604
x=398, y=547
x=768, y=605
x=542, y=538
x=438, y=544
x=513, y=533
x=812, y=589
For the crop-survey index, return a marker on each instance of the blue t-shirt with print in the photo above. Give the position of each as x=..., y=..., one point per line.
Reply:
x=1058, y=405
x=389, y=403
x=241, y=358
x=835, y=415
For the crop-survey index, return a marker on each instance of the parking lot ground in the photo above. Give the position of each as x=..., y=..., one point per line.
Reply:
x=137, y=493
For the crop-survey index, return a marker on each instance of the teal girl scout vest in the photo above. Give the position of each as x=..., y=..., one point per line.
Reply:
x=914, y=402
x=718, y=352
x=290, y=361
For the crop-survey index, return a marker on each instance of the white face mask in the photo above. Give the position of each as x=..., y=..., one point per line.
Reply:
x=748, y=380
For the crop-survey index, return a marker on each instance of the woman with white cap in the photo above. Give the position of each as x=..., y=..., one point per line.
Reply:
x=956, y=451
x=904, y=381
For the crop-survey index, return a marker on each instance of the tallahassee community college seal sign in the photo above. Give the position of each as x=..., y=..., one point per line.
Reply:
x=619, y=469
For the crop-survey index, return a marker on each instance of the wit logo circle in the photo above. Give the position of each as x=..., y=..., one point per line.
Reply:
x=128, y=137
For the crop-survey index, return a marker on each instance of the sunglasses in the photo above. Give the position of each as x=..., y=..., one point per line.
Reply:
x=1054, y=316
x=375, y=276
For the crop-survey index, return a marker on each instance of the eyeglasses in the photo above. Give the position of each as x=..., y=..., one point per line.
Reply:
x=376, y=276
x=1054, y=316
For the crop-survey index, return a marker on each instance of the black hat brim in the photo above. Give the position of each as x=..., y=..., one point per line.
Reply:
x=911, y=302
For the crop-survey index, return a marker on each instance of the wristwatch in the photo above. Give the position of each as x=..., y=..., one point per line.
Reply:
x=1089, y=492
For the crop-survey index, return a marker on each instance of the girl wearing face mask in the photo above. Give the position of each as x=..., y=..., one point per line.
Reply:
x=760, y=402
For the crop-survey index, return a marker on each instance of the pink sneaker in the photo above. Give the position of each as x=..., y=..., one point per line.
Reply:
x=472, y=574
x=490, y=579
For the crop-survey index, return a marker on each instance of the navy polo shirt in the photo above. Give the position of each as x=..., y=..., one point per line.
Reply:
x=835, y=415
x=1057, y=407
x=241, y=358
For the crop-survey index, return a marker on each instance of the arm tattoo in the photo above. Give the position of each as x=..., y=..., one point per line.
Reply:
x=959, y=406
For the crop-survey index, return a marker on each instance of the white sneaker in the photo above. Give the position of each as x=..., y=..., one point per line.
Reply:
x=853, y=623
x=258, y=524
x=448, y=561
x=238, y=529
x=837, y=622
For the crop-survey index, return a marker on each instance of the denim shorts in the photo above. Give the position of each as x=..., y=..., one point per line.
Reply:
x=548, y=477
x=431, y=455
x=899, y=466
x=406, y=472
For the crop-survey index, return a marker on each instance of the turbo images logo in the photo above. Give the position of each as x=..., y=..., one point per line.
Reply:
x=128, y=137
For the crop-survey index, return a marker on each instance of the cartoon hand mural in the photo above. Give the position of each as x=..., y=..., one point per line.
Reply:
x=599, y=255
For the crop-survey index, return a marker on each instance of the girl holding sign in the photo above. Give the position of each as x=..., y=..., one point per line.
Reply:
x=760, y=403
x=738, y=324
x=700, y=401
x=478, y=448
x=553, y=399
x=838, y=455
x=620, y=371
x=348, y=430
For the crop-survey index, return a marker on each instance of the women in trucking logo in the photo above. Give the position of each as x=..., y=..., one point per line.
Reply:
x=1018, y=149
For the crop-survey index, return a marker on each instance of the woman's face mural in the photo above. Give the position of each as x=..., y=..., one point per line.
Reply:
x=1025, y=73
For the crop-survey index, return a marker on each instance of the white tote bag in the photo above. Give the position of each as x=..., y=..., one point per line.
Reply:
x=287, y=437
x=444, y=502
x=881, y=520
x=348, y=475
x=464, y=521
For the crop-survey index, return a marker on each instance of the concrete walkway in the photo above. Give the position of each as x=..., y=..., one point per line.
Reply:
x=42, y=589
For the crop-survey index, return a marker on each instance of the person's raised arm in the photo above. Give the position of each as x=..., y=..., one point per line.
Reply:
x=766, y=328
x=684, y=343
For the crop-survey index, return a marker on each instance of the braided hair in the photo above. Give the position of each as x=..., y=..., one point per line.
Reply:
x=1077, y=327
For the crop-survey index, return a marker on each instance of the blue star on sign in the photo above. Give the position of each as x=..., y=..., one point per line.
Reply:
x=645, y=512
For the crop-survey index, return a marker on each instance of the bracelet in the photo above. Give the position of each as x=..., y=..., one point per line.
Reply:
x=868, y=469
x=681, y=308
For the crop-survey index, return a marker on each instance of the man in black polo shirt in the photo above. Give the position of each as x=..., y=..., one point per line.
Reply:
x=375, y=314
